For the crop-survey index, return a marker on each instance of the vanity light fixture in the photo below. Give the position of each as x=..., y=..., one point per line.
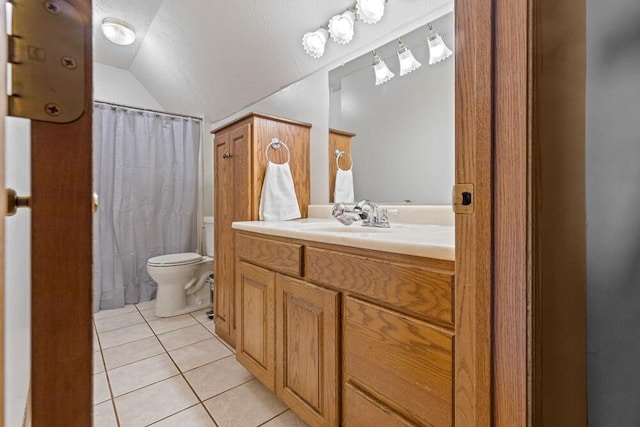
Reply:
x=383, y=73
x=370, y=11
x=437, y=49
x=314, y=42
x=118, y=31
x=407, y=62
x=341, y=27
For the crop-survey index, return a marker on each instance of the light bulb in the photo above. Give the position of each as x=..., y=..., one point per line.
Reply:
x=118, y=31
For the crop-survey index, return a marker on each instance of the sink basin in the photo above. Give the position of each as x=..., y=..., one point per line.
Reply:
x=334, y=227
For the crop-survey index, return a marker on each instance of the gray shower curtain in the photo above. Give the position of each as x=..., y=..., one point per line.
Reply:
x=145, y=169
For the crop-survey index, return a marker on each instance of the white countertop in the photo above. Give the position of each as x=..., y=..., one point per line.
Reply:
x=432, y=241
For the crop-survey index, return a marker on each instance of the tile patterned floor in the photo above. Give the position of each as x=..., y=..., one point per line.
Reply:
x=172, y=372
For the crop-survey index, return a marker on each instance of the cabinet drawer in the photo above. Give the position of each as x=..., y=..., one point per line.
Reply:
x=277, y=256
x=404, y=363
x=412, y=289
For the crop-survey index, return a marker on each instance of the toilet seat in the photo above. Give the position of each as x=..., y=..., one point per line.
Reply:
x=173, y=260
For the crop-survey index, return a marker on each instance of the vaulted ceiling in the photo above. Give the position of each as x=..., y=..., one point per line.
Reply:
x=214, y=57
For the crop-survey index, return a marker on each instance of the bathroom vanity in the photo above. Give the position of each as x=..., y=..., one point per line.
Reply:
x=349, y=325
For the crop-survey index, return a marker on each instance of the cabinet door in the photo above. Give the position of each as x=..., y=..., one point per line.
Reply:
x=255, y=344
x=307, y=351
x=223, y=242
x=395, y=366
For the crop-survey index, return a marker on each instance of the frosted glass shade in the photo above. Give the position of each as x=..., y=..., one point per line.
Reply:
x=383, y=73
x=314, y=42
x=341, y=27
x=118, y=31
x=370, y=11
x=437, y=49
x=407, y=62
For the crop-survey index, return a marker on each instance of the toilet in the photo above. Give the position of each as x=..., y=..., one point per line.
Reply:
x=182, y=278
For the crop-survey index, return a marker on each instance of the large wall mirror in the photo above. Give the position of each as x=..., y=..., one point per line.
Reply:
x=403, y=148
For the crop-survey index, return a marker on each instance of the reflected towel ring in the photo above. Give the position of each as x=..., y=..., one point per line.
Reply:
x=276, y=144
x=340, y=153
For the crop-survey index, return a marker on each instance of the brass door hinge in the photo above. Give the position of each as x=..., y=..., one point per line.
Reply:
x=463, y=198
x=46, y=53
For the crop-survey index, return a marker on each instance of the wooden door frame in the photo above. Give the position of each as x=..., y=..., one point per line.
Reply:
x=61, y=260
x=3, y=203
x=539, y=239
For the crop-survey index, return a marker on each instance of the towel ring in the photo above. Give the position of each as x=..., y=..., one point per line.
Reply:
x=340, y=153
x=276, y=144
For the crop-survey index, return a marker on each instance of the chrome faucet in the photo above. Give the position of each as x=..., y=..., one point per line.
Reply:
x=367, y=212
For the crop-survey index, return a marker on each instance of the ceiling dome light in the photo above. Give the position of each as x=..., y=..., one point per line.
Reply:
x=118, y=31
x=407, y=62
x=314, y=42
x=341, y=27
x=383, y=73
x=437, y=49
x=370, y=11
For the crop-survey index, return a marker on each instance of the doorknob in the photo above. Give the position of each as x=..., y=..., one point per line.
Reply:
x=15, y=202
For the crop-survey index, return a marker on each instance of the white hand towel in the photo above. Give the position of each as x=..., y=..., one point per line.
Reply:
x=278, y=201
x=343, y=191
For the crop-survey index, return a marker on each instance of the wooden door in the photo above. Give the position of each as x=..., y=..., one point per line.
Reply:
x=223, y=242
x=307, y=350
x=473, y=157
x=255, y=345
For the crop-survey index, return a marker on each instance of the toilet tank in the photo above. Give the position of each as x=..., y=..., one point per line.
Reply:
x=208, y=232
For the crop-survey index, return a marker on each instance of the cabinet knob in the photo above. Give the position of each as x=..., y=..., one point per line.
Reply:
x=227, y=155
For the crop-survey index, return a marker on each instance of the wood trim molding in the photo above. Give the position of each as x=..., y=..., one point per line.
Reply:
x=61, y=222
x=3, y=202
x=473, y=154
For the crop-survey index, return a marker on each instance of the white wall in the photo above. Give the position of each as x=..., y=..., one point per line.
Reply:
x=613, y=206
x=112, y=84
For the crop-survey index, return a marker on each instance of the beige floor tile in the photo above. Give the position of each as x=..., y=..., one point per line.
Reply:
x=118, y=322
x=103, y=415
x=210, y=326
x=146, y=305
x=149, y=314
x=168, y=324
x=98, y=364
x=153, y=403
x=195, y=416
x=100, y=388
x=132, y=352
x=140, y=374
x=103, y=314
x=125, y=335
x=232, y=408
x=201, y=315
x=96, y=343
x=185, y=336
x=199, y=354
x=217, y=377
x=288, y=419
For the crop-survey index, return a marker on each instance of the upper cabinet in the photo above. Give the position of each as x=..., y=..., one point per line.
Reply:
x=240, y=161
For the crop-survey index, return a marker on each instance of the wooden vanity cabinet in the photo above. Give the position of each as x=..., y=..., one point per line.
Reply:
x=361, y=338
x=239, y=167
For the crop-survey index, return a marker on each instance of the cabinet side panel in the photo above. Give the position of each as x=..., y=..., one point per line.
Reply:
x=297, y=138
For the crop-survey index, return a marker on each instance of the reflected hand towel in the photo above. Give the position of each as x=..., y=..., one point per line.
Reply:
x=343, y=192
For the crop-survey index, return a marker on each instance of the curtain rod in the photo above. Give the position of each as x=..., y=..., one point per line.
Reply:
x=113, y=104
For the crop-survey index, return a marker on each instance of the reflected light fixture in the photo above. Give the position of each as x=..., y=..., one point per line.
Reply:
x=407, y=62
x=314, y=42
x=383, y=73
x=341, y=27
x=437, y=49
x=370, y=11
x=118, y=31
